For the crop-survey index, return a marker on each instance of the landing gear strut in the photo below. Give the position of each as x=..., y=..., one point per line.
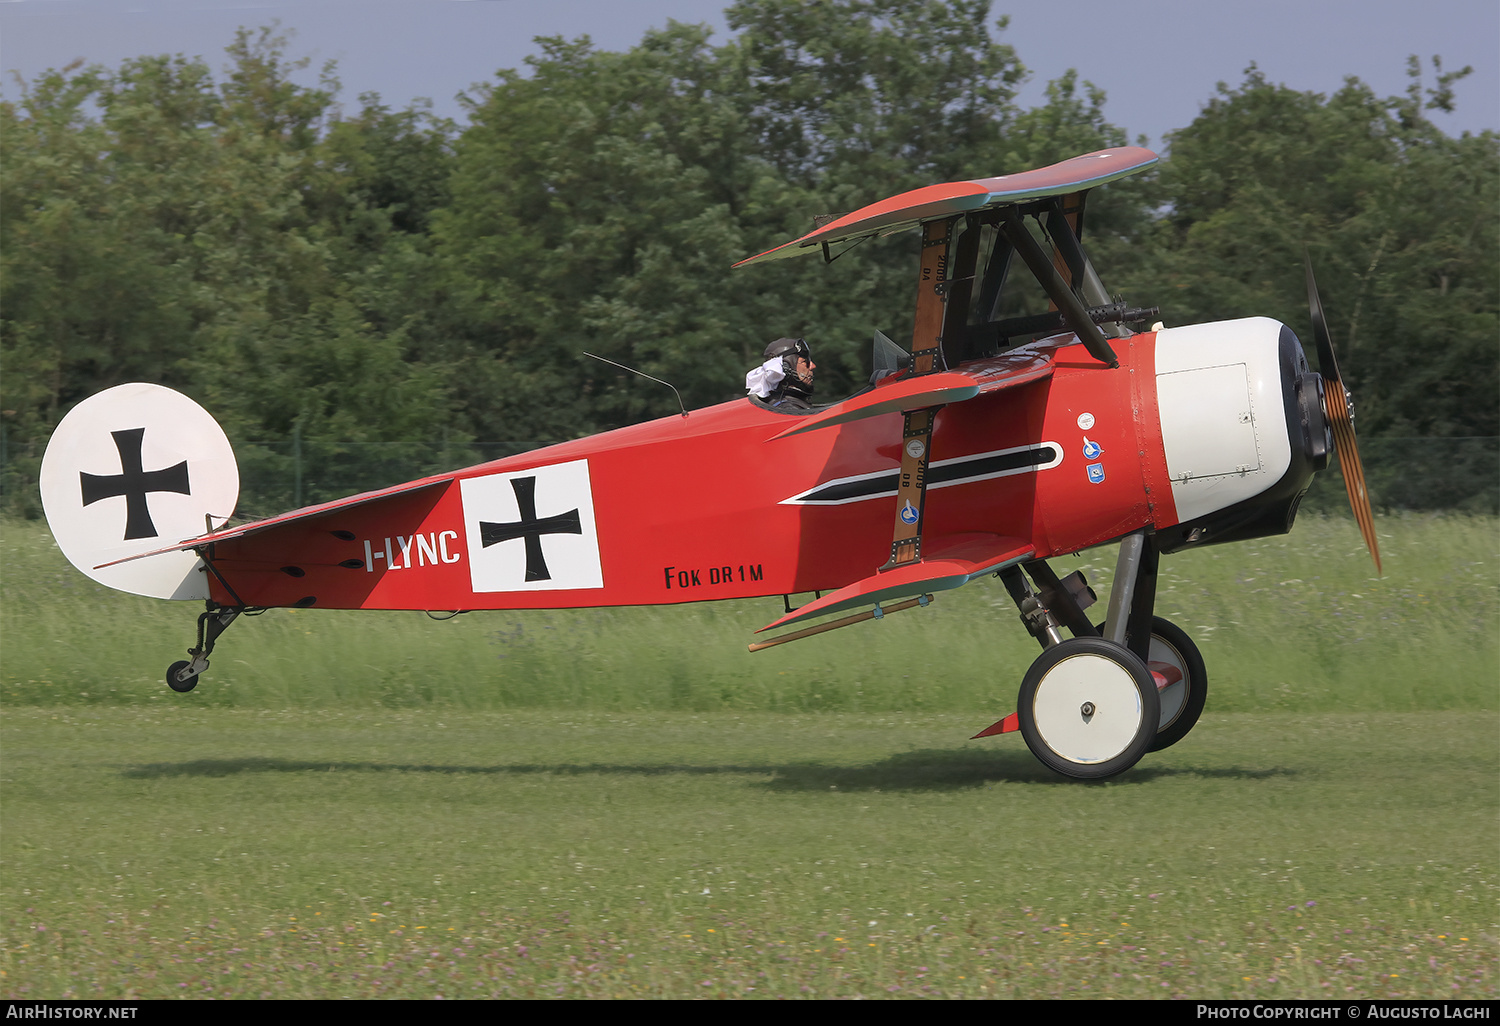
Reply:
x=1091, y=705
x=182, y=676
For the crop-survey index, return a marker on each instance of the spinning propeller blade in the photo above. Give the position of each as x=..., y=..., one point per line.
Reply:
x=1341, y=418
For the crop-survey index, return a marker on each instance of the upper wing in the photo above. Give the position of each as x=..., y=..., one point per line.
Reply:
x=1020, y=366
x=952, y=198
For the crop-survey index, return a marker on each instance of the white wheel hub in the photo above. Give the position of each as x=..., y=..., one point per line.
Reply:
x=1087, y=709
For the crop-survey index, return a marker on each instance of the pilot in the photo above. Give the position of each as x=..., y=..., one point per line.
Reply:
x=785, y=379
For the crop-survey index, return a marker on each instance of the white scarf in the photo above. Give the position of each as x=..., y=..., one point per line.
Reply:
x=762, y=381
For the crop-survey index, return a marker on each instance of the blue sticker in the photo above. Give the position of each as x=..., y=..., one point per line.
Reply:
x=909, y=513
x=1096, y=473
x=1091, y=449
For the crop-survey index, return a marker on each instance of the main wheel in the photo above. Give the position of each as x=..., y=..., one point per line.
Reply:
x=1088, y=709
x=184, y=685
x=1182, y=699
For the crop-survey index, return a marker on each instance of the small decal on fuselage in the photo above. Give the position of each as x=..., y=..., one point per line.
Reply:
x=1091, y=449
x=1096, y=473
x=1085, y=421
x=400, y=552
x=680, y=579
x=1023, y=459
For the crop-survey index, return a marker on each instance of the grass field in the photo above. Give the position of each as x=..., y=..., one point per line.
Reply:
x=625, y=803
x=411, y=853
x=1296, y=623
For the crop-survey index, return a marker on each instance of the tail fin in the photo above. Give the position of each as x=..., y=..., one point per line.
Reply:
x=132, y=469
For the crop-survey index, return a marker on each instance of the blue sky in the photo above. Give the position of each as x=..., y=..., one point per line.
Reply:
x=1158, y=60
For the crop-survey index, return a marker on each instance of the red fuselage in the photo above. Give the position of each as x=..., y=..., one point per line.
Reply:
x=714, y=506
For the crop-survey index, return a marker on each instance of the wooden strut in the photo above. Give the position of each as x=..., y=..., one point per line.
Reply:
x=911, y=492
x=932, y=297
x=927, y=357
x=822, y=628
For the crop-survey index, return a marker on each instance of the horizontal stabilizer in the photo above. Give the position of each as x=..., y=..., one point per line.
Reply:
x=951, y=562
x=899, y=394
x=951, y=199
x=307, y=513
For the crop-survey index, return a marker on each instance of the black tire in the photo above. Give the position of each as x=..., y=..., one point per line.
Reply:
x=1088, y=709
x=1177, y=722
x=181, y=686
x=1178, y=715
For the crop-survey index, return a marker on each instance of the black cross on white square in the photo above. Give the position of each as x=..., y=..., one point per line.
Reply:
x=134, y=483
x=532, y=530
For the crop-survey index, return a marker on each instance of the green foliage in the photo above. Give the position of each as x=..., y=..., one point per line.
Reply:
x=864, y=98
x=1288, y=624
x=1400, y=222
x=591, y=213
x=367, y=296
x=227, y=240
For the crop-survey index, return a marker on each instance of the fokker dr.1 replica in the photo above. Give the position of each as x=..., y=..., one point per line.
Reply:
x=999, y=439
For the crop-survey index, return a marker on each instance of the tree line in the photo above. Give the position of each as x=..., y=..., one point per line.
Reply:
x=379, y=292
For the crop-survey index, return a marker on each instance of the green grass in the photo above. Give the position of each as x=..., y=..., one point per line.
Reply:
x=626, y=803
x=181, y=851
x=1296, y=623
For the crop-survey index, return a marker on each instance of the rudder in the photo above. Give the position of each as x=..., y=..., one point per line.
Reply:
x=132, y=469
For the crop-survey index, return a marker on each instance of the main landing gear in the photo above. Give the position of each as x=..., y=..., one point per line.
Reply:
x=1092, y=705
x=182, y=676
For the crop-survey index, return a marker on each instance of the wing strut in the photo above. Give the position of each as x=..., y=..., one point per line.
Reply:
x=911, y=492
x=1075, y=314
x=926, y=358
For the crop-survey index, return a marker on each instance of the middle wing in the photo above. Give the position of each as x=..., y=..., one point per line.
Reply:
x=897, y=394
x=952, y=563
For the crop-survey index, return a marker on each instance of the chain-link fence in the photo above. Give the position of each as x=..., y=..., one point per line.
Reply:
x=1402, y=473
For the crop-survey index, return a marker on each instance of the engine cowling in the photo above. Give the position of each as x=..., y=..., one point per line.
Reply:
x=1243, y=425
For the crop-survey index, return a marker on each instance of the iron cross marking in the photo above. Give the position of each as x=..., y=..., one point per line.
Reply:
x=134, y=483
x=530, y=528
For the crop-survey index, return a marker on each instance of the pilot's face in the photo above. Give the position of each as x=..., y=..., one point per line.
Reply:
x=805, y=368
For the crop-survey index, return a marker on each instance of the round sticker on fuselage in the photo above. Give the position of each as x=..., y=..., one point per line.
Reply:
x=1085, y=421
x=915, y=448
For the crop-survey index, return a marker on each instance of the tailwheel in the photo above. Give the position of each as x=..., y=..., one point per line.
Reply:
x=182, y=676
x=1088, y=708
x=179, y=678
x=1181, y=681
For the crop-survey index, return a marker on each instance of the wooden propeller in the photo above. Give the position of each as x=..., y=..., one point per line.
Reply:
x=1338, y=405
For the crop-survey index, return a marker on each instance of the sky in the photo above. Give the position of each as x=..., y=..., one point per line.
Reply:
x=1159, y=61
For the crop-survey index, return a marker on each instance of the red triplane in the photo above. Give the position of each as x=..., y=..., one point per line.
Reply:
x=999, y=440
